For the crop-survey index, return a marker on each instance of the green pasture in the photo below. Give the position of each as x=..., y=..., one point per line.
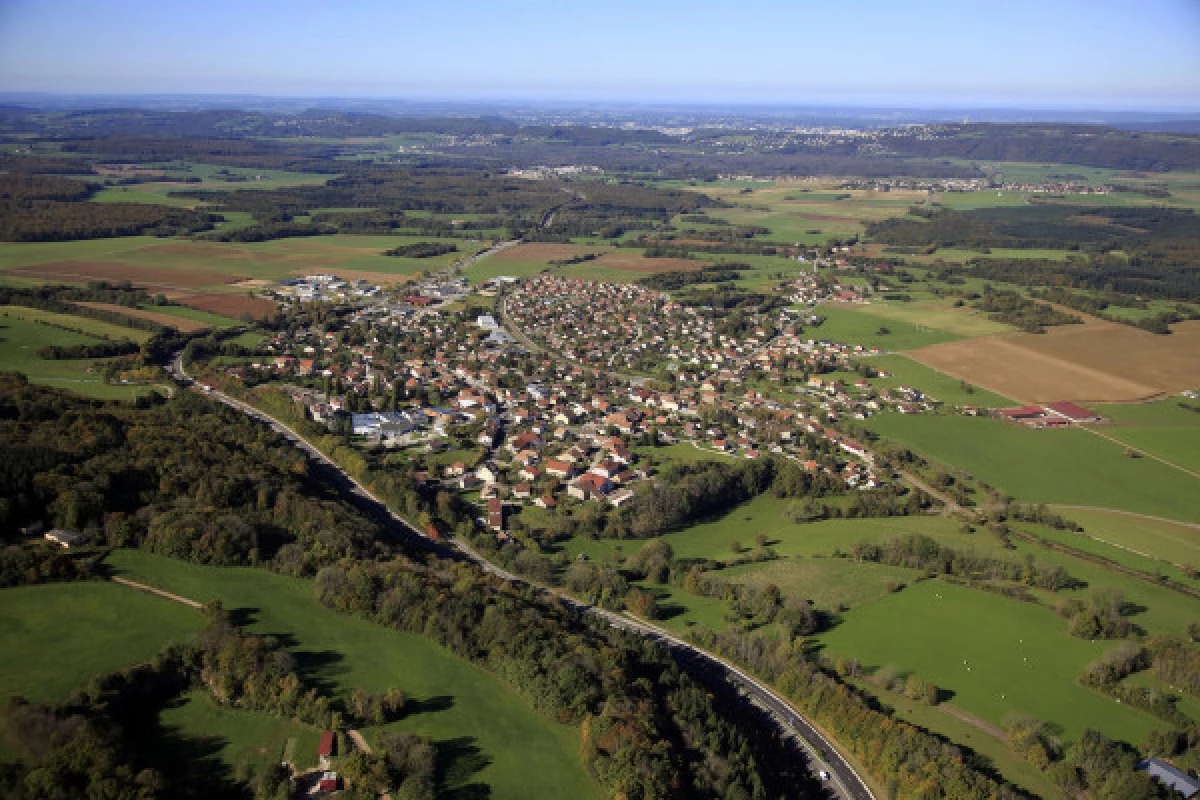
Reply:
x=996, y=655
x=830, y=583
x=1151, y=546
x=934, y=315
x=241, y=737
x=272, y=260
x=1047, y=466
x=860, y=325
x=20, y=340
x=526, y=754
x=1166, y=429
x=55, y=637
x=85, y=325
x=183, y=312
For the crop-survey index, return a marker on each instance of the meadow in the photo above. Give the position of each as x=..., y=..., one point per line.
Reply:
x=55, y=637
x=994, y=654
x=459, y=705
x=903, y=371
x=1168, y=429
x=21, y=338
x=861, y=325
x=1047, y=466
x=239, y=737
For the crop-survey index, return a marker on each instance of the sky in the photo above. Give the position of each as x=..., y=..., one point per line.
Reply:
x=1087, y=54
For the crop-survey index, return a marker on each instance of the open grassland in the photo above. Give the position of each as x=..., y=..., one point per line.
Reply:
x=522, y=754
x=1047, y=466
x=903, y=371
x=1098, y=362
x=85, y=325
x=193, y=264
x=1164, y=541
x=830, y=583
x=184, y=324
x=20, y=341
x=994, y=654
x=856, y=324
x=55, y=637
x=239, y=737
x=933, y=316
x=1166, y=429
x=203, y=317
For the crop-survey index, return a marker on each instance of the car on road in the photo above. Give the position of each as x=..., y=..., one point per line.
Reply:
x=823, y=775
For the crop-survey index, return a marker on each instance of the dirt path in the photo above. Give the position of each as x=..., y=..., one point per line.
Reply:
x=1139, y=451
x=974, y=722
x=141, y=587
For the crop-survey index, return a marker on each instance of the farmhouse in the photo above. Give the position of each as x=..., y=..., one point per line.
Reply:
x=1072, y=412
x=1022, y=414
x=325, y=747
x=1171, y=777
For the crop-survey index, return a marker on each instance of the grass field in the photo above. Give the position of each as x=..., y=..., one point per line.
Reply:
x=861, y=325
x=55, y=637
x=830, y=583
x=1042, y=466
x=996, y=655
x=190, y=264
x=936, y=315
x=525, y=754
x=20, y=340
x=1166, y=429
x=84, y=325
x=240, y=736
x=211, y=320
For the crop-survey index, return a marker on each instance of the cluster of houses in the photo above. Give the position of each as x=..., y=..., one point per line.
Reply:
x=1051, y=415
x=810, y=288
x=325, y=288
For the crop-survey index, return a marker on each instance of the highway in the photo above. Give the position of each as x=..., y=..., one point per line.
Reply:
x=844, y=782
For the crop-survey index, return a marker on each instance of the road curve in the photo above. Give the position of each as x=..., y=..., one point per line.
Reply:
x=845, y=781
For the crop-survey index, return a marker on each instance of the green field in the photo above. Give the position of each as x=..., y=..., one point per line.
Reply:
x=240, y=736
x=1165, y=429
x=271, y=260
x=212, y=320
x=526, y=754
x=860, y=325
x=1042, y=466
x=903, y=371
x=20, y=340
x=830, y=583
x=55, y=637
x=937, y=315
x=80, y=324
x=996, y=655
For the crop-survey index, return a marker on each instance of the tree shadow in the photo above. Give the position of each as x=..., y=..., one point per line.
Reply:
x=317, y=668
x=191, y=765
x=429, y=705
x=458, y=760
x=246, y=616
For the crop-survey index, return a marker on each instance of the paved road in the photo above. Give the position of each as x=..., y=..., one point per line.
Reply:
x=845, y=782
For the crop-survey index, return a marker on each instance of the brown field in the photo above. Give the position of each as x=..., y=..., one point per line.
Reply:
x=147, y=277
x=635, y=263
x=236, y=306
x=1098, y=362
x=544, y=251
x=179, y=323
x=380, y=278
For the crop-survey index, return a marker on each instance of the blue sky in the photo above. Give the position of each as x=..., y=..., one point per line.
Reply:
x=1136, y=54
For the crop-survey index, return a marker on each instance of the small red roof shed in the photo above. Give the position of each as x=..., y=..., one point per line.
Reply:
x=325, y=748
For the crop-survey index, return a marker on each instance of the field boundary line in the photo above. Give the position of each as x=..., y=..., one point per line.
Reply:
x=1140, y=451
x=141, y=587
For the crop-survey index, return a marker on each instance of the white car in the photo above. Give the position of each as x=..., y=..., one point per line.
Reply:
x=823, y=775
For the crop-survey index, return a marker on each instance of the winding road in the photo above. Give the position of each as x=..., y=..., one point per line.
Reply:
x=844, y=781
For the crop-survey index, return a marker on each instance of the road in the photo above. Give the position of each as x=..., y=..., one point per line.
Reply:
x=845, y=782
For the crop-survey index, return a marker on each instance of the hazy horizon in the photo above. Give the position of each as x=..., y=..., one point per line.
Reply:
x=929, y=54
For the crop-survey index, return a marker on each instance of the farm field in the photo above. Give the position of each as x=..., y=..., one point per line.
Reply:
x=934, y=316
x=55, y=637
x=184, y=324
x=196, y=315
x=187, y=264
x=1047, y=466
x=526, y=754
x=20, y=340
x=995, y=654
x=1100, y=362
x=1165, y=541
x=84, y=325
x=856, y=324
x=903, y=371
x=1165, y=429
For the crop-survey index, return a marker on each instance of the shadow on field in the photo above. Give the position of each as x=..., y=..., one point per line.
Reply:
x=458, y=760
x=430, y=705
